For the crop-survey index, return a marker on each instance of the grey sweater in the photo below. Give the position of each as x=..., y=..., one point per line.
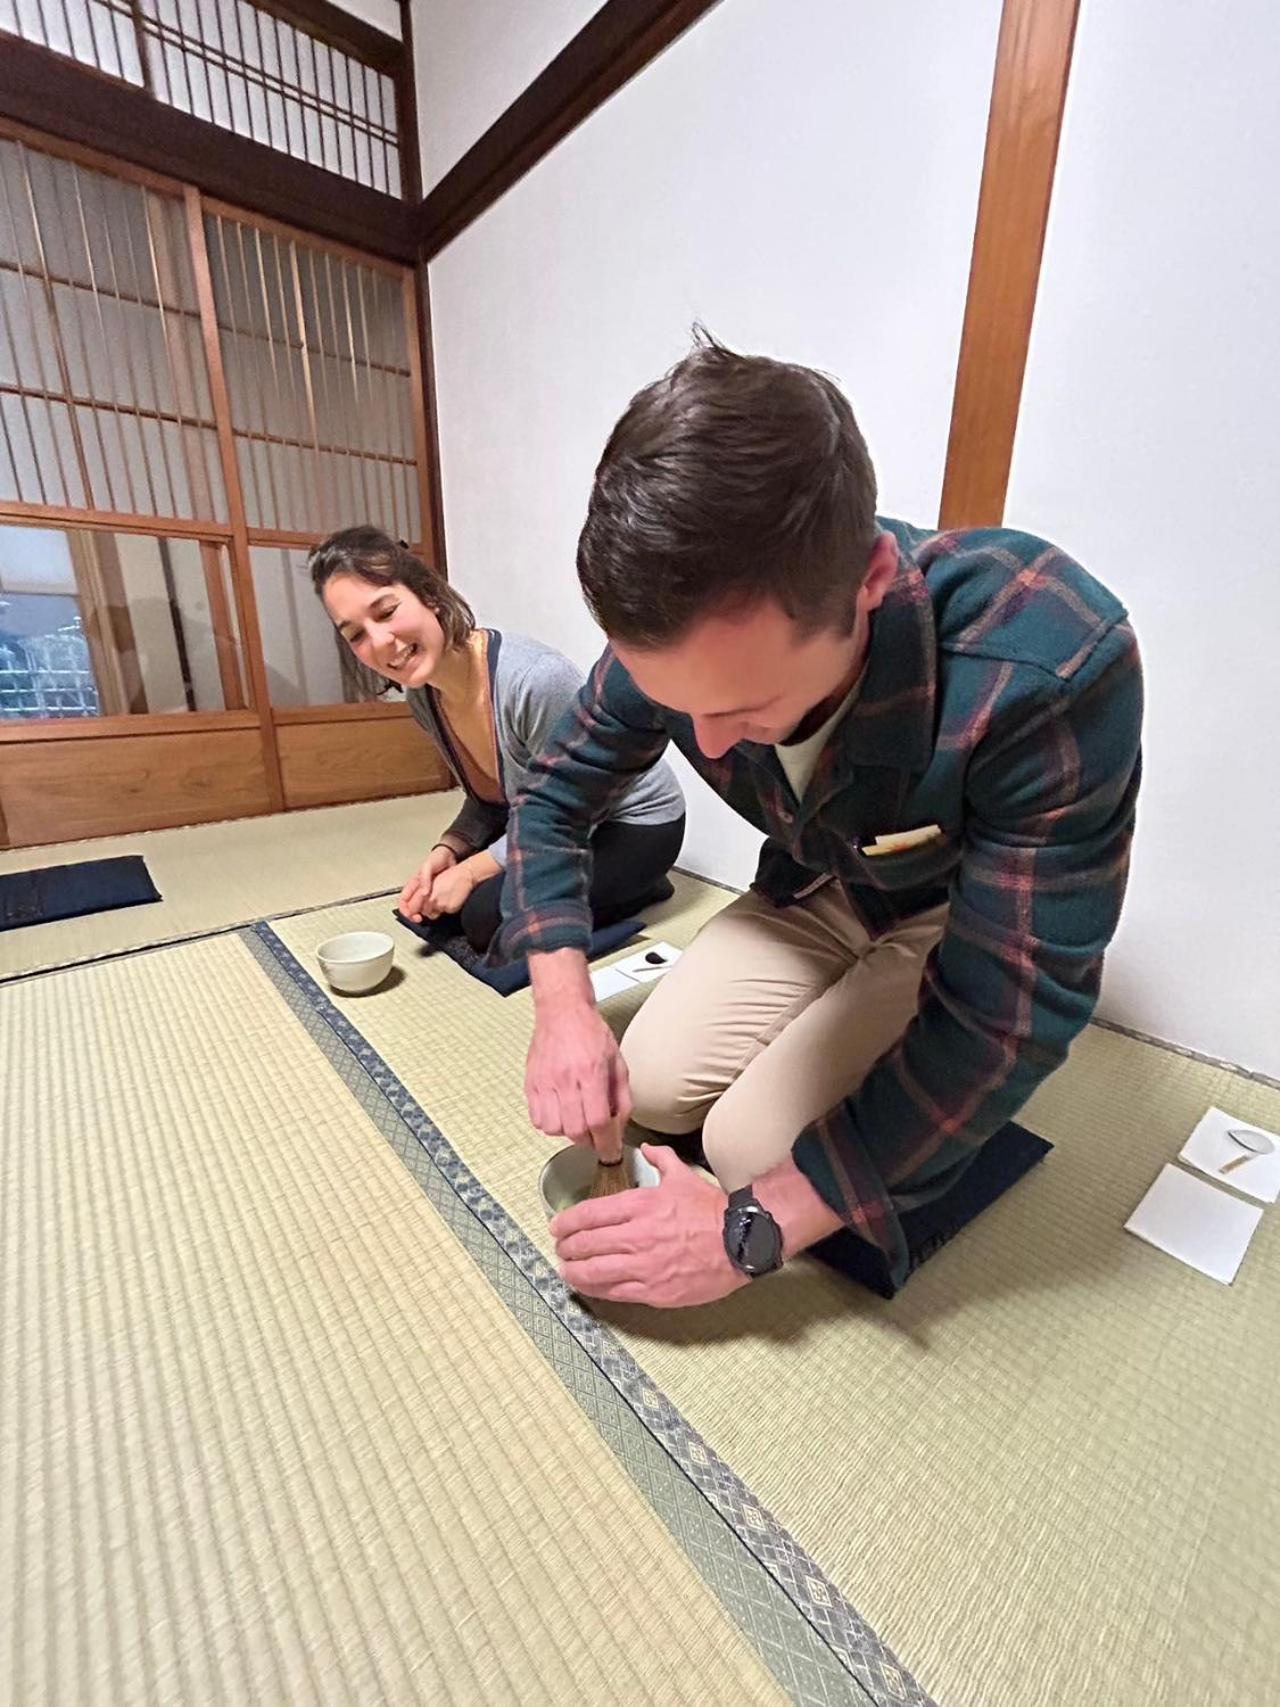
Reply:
x=532, y=688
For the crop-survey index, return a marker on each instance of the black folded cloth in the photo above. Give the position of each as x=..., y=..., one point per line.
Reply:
x=444, y=936
x=72, y=891
x=1000, y=1163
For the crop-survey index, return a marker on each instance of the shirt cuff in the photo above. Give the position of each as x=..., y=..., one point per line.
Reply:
x=541, y=933
x=834, y=1160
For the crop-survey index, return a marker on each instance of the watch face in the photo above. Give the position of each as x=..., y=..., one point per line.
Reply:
x=757, y=1242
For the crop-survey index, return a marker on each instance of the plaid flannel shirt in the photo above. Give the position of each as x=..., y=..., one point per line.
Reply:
x=1002, y=701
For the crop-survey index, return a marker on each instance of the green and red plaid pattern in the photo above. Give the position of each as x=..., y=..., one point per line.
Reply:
x=1002, y=701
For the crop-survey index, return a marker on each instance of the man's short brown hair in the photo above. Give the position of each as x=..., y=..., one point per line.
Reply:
x=731, y=480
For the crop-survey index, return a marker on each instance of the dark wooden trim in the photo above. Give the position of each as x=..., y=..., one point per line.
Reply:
x=1028, y=95
x=64, y=149
x=340, y=29
x=407, y=112
x=41, y=89
x=433, y=540
x=143, y=44
x=620, y=40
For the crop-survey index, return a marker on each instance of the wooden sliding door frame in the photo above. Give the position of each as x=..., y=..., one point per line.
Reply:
x=167, y=527
x=252, y=708
x=224, y=635
x=212, y=540
x=353, y=711
x=241, y=570
x=106, y=652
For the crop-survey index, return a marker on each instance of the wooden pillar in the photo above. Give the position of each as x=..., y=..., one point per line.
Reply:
x=1033, y=61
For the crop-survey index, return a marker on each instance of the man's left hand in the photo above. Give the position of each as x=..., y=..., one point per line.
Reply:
x=661, y=1245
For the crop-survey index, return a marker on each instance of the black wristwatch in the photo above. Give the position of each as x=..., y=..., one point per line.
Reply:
x=752, y=1238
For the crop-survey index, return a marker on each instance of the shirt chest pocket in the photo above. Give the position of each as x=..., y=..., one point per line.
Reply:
x=930, y=865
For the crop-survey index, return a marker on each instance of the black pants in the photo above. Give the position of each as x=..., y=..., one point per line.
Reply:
x=629, y=871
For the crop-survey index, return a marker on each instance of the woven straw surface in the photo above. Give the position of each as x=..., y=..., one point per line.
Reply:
x=1045, y=1474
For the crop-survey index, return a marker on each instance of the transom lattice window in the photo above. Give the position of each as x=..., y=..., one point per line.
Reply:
x=237, y=65
x=101, y=33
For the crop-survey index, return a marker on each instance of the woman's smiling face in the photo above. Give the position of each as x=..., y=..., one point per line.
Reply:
x=388, y=628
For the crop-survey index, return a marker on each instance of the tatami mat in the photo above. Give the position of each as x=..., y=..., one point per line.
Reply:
x=214, y=875
x=267, y=1434
x=1046, y=1472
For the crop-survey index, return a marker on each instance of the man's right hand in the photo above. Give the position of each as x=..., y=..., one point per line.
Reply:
x=575, y=1078
x=417, y=891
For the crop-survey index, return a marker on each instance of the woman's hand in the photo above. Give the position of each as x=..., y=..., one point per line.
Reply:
x=451, y=888
x=415, y=897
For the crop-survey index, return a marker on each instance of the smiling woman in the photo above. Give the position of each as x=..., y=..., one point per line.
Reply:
x=398, y=615
x=492, y=702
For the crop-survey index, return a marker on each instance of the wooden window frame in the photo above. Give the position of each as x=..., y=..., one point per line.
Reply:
x=233, y=534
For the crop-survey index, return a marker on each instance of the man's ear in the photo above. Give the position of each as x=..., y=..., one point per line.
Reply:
x=882, y=566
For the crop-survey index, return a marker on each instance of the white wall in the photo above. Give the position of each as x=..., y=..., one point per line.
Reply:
x=384, y=15
x=472, y=58
x=1149, y=446
x=773, y=173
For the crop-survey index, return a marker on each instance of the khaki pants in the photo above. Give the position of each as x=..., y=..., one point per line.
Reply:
x=771, y=1018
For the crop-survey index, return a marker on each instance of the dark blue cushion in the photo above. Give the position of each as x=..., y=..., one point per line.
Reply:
x=444, y=936
x=1000, y=1163
x=71, y=891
